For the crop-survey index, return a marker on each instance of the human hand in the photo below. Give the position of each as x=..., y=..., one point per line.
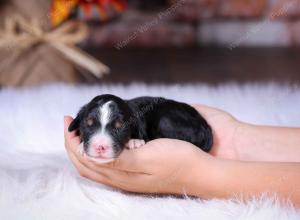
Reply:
x=161, y=166
x=225, y=131
x=242, y=141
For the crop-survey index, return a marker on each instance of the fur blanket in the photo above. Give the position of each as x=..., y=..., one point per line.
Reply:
x=37, y=181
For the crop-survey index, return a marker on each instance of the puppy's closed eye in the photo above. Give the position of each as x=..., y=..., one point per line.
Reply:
x=118, y=124
x=90, y=121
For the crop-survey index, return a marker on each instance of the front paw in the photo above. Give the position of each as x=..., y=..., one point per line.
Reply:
x=135, y=143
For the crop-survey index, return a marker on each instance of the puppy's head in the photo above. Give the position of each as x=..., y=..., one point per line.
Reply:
x=102, y=125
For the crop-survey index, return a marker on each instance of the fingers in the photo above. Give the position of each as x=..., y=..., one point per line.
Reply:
x=71, y=139
x=88, y=173
x=97, y=174
x=141, y=160
x=206, y=110
x=130, y=160
x=115, y=178
x=67, y=122
x=210, y=113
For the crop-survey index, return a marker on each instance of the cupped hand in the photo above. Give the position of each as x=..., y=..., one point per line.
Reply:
x=225, y=131
x=161, y=166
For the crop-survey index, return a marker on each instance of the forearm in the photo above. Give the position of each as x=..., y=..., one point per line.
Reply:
x=265, y=143
x=227, y=178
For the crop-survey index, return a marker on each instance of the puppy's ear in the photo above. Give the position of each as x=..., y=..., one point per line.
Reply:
x=76, y=122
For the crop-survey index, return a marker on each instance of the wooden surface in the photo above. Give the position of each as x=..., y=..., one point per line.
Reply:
x=200, y=65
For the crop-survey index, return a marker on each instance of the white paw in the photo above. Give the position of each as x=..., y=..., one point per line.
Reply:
x=135, y=143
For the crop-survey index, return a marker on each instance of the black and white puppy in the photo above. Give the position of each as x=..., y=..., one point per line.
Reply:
x=108, y=124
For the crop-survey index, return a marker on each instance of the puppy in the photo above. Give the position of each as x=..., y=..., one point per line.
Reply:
x=108, y=124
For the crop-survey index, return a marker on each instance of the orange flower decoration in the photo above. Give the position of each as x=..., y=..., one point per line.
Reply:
x=61, y=9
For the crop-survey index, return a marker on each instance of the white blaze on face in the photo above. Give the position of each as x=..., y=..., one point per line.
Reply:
x=102, y=137
x=104, y=113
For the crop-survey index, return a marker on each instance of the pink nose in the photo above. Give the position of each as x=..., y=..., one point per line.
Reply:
x=101, y=149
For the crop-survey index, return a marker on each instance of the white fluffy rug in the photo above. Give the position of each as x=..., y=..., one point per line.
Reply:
x=37, y=181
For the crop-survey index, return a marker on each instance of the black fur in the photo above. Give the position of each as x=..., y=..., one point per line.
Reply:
x=146, y=118
x=163, y=118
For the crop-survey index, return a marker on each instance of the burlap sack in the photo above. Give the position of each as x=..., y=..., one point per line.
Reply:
x=38, y=9
x=40, y=63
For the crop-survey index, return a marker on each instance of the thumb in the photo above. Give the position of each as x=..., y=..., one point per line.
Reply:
x=70, y=137
x=67, y=122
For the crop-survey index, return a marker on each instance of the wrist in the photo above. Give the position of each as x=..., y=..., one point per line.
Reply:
x=245, y=141
x=228, y=143
x=204, y=177
x=214, y=178
x=272, y=143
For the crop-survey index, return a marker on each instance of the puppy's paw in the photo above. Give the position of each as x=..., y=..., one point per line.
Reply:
x=135, y=143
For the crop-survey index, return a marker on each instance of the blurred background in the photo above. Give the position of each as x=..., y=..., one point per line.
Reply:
x=150, y=41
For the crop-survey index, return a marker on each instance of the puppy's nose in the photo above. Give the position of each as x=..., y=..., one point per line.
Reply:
x=101, y=148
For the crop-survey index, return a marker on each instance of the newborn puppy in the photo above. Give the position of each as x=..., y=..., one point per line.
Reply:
x=108, y=124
